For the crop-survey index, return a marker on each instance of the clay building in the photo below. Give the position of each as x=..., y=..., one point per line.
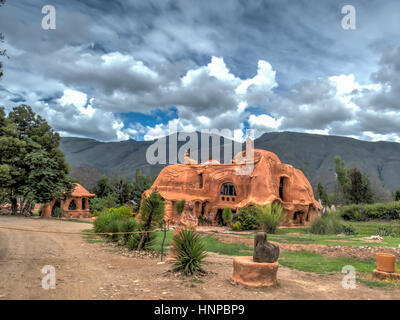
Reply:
x=212, y=186
x=75, y=206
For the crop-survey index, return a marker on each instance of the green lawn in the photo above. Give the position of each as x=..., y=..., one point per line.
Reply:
x=301, y=260
x=363, y=229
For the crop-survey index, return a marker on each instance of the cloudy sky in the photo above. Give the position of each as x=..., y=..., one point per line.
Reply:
x=117, y=70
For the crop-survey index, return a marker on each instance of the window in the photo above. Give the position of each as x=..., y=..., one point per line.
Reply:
x=83, y=203
x=200, y=180
x=228, y=189
x=72, y=205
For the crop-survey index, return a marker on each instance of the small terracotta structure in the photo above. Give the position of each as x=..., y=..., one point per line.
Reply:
x=76, y=205
x=187, y=220
x=386, y=267
x=261, y=269
x=254, y=274
x=212, y=186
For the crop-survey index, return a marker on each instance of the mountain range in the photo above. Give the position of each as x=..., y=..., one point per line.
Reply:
x=312, y=153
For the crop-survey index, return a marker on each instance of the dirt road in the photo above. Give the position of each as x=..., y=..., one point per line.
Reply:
x=94, y=271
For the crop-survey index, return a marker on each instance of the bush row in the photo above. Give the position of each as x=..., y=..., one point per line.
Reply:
x=330, y=223
x=365, y=212
x=267, y=217
x=120, y=220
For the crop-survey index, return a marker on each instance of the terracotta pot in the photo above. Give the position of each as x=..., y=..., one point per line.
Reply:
x=385, y=262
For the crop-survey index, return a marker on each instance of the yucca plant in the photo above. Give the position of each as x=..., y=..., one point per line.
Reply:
x=190, y=252
x=270, y=217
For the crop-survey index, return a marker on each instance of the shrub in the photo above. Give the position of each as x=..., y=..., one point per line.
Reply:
x=227, y=215
x=248, y=217
x=179, y=205
x=190, y=252
x=58, y=212
x=133, y=241
x=385, y=231
x=348, y=229
x=330, y=223
x=116, y=220
x=237, y=226
x=127, y=225
x=364, y=212
x=98, y=204
x=124, y=211
x=270, y=217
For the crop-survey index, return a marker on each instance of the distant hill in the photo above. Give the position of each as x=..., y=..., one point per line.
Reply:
x=311, y=153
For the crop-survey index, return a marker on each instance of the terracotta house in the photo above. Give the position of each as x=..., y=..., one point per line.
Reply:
x=212, y=186
x=76, y=205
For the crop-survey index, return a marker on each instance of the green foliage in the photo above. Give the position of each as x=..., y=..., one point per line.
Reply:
x=151, y=215
x=128, y=225
x=124, y=190
x=98, y=204
x=247, y=217
x=360, y=189
x=365, y=212
x=388, y=230
x=321, y=194
x=32, y=168
x=237, y=226
x=190, y=252
x=58, y=212
x=353, y=186
x=342, y=177
x=270, y=217
x=179, y=205
x=397, y=195
x=227, y=215
x=123, y=211
x=330, y=223
x=141, y=184
x=118, y=220
x=348, y=229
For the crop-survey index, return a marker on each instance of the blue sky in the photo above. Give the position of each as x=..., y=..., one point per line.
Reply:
x=117, y=70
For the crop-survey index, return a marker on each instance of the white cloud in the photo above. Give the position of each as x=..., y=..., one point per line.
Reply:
x=264, y=121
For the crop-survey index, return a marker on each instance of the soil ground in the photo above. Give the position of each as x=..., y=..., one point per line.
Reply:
x=97, y=271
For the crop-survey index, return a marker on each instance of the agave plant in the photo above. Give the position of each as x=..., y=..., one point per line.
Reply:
x=190, y=252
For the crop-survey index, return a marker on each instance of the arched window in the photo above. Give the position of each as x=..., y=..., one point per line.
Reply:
x=72, y=205
x=228, y=189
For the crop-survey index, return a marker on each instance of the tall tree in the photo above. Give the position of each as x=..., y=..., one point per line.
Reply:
x=342, y=178
x=360, y=190
x=322, y=195
x=102, y=188
x=33, y=168
x=141, y=183
x=397, y=195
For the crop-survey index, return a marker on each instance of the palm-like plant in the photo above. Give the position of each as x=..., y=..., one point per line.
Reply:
x=151, y=214
x=270, y=217
x=190, y=252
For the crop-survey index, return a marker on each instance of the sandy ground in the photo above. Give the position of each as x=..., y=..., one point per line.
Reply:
x=95, y=271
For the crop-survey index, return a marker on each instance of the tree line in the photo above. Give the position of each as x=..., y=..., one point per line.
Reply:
x=352, y=187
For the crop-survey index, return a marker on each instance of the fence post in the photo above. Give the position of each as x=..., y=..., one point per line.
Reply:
x=165, y=234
